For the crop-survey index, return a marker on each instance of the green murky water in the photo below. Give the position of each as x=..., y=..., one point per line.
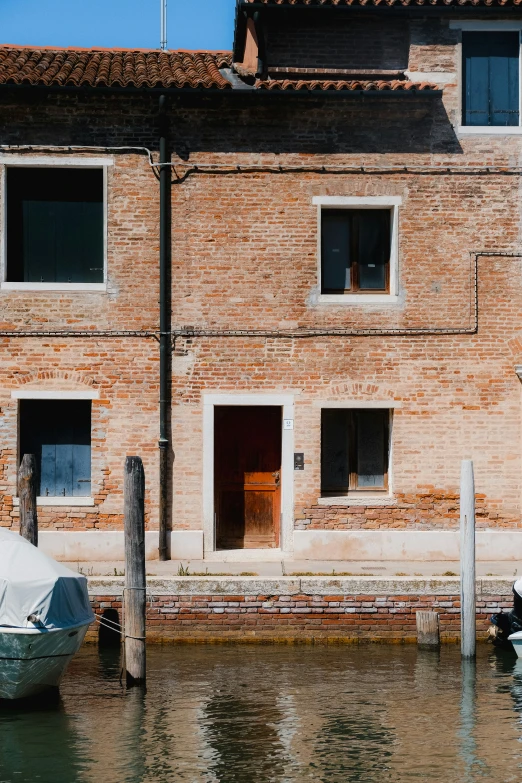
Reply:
x=249, y=714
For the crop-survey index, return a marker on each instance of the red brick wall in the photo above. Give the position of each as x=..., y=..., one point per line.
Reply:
x=345, y=617
x=244, y=256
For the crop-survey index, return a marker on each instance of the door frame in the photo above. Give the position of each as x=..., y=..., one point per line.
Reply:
x=286, y=402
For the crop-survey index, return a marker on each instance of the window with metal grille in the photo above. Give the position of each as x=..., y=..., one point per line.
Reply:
x=354, y=450
x=491, y=78
x=55, y=225
x=58, y=433
x=355, y=250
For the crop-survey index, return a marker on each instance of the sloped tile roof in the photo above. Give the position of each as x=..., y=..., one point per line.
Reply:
x=113, y=68
x=146, y=68
x=355, y=84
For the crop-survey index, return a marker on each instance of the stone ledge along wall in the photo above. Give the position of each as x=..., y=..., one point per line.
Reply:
x=289, y=609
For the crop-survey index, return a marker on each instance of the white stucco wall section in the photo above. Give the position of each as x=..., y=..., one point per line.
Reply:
x=108, y=545
x=286, y=402
x=403, y=545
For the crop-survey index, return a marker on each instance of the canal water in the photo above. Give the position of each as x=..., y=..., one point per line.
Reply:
x=254, y=714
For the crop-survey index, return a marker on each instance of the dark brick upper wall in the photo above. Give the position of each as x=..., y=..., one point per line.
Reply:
x=312, y=41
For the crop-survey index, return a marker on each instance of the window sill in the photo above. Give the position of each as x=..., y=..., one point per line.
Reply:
x=358, y=299
x=358, y=500
x=59, y=501
x=61, y=287
x=489, y=130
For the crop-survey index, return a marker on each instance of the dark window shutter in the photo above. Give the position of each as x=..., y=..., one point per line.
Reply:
x=491, y=78
x=335, y=251
x=374, y=248
x=335, y=473
x=372, y=448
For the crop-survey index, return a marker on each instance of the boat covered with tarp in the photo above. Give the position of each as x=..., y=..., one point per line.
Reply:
x=44, y=615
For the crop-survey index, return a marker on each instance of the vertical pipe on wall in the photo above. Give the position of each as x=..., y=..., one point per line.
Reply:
x=164, y=440
x=467, y=560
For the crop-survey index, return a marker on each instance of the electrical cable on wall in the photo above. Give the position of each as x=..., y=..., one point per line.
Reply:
x=305, y=332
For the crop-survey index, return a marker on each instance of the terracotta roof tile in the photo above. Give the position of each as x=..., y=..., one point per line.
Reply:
x=355, y=84
x=113, y=67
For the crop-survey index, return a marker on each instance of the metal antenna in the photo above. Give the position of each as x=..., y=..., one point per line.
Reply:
x=163, y=42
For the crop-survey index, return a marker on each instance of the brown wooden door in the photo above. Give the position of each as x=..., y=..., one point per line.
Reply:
x=247, y=475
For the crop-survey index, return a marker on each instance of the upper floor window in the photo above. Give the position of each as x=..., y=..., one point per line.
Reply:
x=355, y=251
x=491, y=92
x=55, y=225
x=358, y=256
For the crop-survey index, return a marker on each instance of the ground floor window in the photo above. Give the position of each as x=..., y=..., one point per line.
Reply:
x=354, y=450
x=58, y=433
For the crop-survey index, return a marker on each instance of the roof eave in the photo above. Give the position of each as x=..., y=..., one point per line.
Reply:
x=214, y=91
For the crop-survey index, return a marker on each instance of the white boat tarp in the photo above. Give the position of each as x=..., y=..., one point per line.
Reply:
x=31, y=583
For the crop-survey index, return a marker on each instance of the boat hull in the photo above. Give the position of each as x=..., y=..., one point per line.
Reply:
x=31, y=660
x=516, y=641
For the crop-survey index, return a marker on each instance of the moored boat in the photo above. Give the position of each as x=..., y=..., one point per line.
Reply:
x=516, y=641
x=44, y=616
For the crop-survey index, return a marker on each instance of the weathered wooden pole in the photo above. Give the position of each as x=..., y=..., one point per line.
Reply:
x=27, y=499
x=135, y=584
x=467, y=561
x=428, y=636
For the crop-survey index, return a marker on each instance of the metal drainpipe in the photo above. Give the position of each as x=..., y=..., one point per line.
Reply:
x=164, y=442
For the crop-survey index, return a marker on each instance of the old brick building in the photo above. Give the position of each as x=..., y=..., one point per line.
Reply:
x=344, y=283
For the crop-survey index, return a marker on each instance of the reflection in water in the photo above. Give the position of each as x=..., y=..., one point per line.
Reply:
x=362, y=745
x=283, y=714
x=468, y=719
x=39, y=741
x=242, y=728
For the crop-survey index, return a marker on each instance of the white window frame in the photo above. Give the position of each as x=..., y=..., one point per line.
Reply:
x=365, y=202
x=482, y=26
x=365, y=497
x=286, y=402
x=48, y=161
x=46, y=394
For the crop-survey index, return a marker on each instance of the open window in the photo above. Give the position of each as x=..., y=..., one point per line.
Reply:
x=354, y=451
x=491, y=82
x=55, y=225
x=355, y=251
x=358, y=249
x=58, y=433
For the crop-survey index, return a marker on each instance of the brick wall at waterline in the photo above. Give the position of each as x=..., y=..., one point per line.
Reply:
x=244, y=256
x=343, y=615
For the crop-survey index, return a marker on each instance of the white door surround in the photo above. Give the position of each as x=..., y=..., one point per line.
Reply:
x=286, y=402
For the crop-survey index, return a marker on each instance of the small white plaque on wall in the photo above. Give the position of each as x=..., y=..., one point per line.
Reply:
x=288, y=424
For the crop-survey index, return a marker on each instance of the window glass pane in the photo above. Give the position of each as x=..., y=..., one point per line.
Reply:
x=371, y=448
x=55, y=225
x=334, y=451
x=58, y=433
x=374, y=248
x=491, y=78
x=335, y=252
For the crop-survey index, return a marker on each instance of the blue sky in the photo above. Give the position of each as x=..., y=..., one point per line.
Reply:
x=192, y=24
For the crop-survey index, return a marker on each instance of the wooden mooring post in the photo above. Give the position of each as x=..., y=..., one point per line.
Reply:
x=135, y=581
x=428, y=634
x=467, y=561
x=27, y=499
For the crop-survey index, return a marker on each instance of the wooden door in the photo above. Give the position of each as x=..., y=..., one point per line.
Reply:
x=247, y=476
